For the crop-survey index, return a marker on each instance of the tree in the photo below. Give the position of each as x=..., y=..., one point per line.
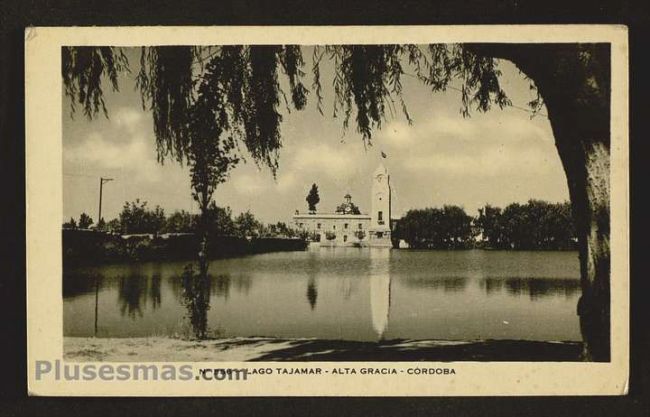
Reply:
x=280, y=229
x=219, y=221
x=435, y=228
x=306, y=235
x=572, y=80
x=180, y=222
x=209, y=152
x=517, y=227
x=136, y=217
x=531, y=226
x=246, y=225
x=347, y=207
x=72, y=224
x=313, y=198
x=560, y=227
x=285, y=231
x=457, y=228
x=85, y=221
x=360, y=234
x=114, y=226
x=490, y=224
x=330, y=235
x=101, y=225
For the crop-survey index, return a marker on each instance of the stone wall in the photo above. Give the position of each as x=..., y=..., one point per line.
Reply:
x=91, y=247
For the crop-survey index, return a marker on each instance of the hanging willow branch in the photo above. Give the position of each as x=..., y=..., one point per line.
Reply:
x=367, y=84
x=165, y=82
x=83, y=69
x=292, y=64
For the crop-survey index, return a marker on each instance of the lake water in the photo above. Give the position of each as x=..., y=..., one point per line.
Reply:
x=335, y=293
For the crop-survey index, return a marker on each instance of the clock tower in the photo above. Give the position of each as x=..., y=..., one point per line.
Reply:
x=379, y=230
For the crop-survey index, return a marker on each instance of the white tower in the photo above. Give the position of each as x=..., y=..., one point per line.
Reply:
x=380, y=202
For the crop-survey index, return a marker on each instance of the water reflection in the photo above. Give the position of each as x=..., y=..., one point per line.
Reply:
x=222, y=285
x=131, y=294
x=312, y=292
x=312, y=288
x=80, y=283
x=347, y=287
x=196, y=297
x=380, y=290
x=154, y=291
x=535, y=288
x=135, y=289
x=492, y=285
x=356, y=294
x=446, y=284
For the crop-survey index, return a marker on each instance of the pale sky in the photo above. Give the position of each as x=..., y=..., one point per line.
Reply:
x=499, y=157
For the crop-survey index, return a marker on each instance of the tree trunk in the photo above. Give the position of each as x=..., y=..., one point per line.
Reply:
x=203, y=230
x=576, y=93
x=586, y=163
x=574, y=82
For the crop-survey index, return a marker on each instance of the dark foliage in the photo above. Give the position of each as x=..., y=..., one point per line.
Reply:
x=531, y=226
x=536, y=225
x=313, y=198
x=85, y=221
x=165, y=82
x=434, y=228
x=83, y=70
x=347, y=208
x=72, y=224
x=136, y=218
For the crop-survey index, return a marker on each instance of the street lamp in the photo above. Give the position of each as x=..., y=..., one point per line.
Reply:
x=102, y=180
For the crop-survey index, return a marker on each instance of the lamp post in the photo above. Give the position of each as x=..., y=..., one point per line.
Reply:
x=102, y=180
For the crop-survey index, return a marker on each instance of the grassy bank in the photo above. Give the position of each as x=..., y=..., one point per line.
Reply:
x=272, y=349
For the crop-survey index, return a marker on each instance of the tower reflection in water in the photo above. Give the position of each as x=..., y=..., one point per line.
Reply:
x=379, y=289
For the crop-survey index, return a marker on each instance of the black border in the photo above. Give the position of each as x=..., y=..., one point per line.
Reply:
x=15, y=15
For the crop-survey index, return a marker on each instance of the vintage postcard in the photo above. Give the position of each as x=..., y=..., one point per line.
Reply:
x=332, y=211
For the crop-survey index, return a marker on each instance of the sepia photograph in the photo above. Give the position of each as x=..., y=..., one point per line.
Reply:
x=327, y=202
x=384, y=207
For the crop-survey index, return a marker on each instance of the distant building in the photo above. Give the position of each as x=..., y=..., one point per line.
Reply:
x=347, y=226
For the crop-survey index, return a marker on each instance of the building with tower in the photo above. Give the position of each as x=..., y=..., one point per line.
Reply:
x=347, y=226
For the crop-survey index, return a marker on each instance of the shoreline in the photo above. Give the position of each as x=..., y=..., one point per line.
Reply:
x=236, y=349
x=91, y=263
